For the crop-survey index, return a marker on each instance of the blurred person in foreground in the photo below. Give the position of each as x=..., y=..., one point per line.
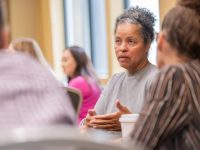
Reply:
x=134, y=34
x=170, y=119
x=29, y=95
x=82, y=76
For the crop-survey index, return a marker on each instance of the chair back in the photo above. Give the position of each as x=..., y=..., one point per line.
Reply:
x=76, y=98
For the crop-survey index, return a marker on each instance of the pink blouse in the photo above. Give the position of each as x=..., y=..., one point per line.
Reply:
x=90, y=93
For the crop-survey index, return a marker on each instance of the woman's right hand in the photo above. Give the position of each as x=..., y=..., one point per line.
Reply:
x=89, y=117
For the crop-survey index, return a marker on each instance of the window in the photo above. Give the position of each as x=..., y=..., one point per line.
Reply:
x=98, y=36
x=85, y=25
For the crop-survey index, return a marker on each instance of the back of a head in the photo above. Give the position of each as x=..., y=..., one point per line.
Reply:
x=30, y=47
x=3, y=38
x=182, y=28
x=2, y=13
x=25, y=45
x=193, y=4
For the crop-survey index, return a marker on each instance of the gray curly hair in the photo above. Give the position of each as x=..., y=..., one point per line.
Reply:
x=141, y=16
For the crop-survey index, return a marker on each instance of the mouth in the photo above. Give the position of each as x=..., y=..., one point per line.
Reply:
x=123, y=58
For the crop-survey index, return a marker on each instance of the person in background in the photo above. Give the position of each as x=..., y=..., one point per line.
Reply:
x=30, y=47
x=134, y=34
x=29, y=95
x=170, y=118
x=81, y=75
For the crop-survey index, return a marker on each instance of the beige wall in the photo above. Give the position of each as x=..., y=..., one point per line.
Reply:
x=20, y=13
x=44, y=29
x=115, y=9
x=31, y=18
x=165, y=5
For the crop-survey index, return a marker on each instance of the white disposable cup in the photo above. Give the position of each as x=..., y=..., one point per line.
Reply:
x=127, y=123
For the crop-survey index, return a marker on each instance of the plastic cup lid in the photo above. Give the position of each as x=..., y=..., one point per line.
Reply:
x=128, y=118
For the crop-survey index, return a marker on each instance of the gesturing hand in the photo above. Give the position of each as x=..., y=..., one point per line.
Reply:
x=89, y=117
x=110, y=121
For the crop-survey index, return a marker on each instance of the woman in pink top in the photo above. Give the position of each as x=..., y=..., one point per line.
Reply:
x=81, y=75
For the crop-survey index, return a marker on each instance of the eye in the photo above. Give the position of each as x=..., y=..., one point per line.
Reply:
x=131, y=42
x=117, y=41
x=64, y=59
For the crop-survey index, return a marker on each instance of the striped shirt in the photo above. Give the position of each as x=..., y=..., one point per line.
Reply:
x=170, y=119
x=30, y=95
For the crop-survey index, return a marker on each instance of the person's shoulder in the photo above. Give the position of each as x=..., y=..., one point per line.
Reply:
x=24, y=66
x=22, y=60
x=175, y=72
x=78, y=80
x=149, y=73
x=12, y=56
x=151, y=68
x=118, y=76
x=171, y=68
x=170, y=74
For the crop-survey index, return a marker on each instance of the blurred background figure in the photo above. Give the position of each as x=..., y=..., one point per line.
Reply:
x=29, y=94
x=30, y=47
x=81, y=75
x=170, y=118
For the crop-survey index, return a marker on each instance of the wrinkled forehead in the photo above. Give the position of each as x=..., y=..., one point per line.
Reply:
x=127, y=30
x=128, y=20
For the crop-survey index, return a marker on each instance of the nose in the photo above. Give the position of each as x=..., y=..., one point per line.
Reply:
x=123, y=47
x=62, y=63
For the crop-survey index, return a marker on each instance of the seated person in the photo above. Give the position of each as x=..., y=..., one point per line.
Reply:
x=29, y=95
x=81, y=75
x=134, y=34
x=170, y=119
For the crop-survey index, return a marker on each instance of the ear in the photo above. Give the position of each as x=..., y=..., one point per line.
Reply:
x=160, y=50
x=148, y=47
x=4, y=37
x=160, y=41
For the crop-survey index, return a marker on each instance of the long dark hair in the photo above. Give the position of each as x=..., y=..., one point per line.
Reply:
x=182, y=28
x=84, y=66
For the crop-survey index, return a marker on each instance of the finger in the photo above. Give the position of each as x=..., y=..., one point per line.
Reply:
x=89, y=118
x=91, y=112
x=106, y=126
x=100, y=121
x=87, y=122
x=90, y=125
x=108, y=116
x=122, y=108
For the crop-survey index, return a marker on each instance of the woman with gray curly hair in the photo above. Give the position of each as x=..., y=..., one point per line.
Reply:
x=134, y=34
